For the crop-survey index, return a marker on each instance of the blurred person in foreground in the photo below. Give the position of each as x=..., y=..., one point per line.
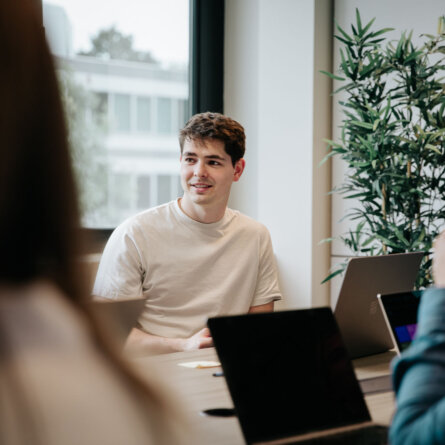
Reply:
x=419, y=374
x=61, y=381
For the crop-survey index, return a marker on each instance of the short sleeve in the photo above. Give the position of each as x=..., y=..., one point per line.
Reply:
x=121, y=271
x=267, y=288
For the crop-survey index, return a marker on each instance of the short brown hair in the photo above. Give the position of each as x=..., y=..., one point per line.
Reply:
x=216, y=126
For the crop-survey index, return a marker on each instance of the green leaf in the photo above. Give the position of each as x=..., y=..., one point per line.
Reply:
x=400, y=46
x=400, y=236
x=359, y=22
x=332, y=143
x=366, y=125
x=332, y=275
x=332, y=76
x=382, y=31
x=413, y=56
x=433, y=148
x=346, y=36
x=346, y=42
x=326, y=240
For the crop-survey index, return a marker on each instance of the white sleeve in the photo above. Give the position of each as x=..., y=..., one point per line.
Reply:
x=267, y=288
x=121, y=270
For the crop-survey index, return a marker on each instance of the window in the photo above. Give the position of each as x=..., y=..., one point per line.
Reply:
x=164, y=116
x=143, y=114
x=124, y=77
x=144, y=188
x=164, y=188
x=121, y=113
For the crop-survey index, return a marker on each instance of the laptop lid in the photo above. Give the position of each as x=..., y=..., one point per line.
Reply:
x=358, y=312
x=400, y=312
x=118, y=316
x=288, y=373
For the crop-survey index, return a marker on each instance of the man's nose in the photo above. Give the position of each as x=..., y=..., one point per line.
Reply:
x=200, y=170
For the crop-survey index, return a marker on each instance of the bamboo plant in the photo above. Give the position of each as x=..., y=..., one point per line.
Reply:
x=392, y=141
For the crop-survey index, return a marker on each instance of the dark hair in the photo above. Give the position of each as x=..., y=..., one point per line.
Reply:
x=38, y=200
x=39, y=224
x=216, y=126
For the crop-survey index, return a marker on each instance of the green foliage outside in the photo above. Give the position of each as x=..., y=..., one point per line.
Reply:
x=112, y=44
x=392, y=140
x=86, y=118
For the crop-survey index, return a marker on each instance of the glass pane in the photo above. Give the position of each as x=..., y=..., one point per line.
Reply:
x=144, y=187
x=121, y=118
x=123, y=69
x=164, y=188
x=121, y=188
x=164, y=115
x=144, y=114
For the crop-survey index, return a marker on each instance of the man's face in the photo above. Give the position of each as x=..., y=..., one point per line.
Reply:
x=207, y=173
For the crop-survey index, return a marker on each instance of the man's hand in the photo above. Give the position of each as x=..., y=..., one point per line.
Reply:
x=439, y=260
x=142, y=343
x=202, y=339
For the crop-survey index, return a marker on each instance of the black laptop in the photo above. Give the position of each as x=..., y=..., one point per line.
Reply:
x=400, y=312
x=291, y=380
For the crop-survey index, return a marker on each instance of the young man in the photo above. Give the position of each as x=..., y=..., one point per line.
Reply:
x=192, y=258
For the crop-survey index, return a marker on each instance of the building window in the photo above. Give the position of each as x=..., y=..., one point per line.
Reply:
x=121, y=190
x=164, y=188
x=144, y=114
x=164, y=115
x=122, y=113
x=144, y=192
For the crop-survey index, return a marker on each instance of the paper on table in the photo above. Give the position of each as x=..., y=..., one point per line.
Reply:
x=201, y=364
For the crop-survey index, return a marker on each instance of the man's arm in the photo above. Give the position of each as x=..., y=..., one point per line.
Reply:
x=142, y=343
x=268, y=307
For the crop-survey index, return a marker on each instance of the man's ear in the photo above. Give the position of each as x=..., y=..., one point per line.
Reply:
x=239, y=168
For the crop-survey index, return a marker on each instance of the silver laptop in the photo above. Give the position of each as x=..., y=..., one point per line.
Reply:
x=291, y=380
x=400, y=313
x=358, y=313
x=118, y=316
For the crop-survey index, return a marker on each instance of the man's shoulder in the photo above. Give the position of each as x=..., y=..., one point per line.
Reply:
x=246, y=222
x=148, y=219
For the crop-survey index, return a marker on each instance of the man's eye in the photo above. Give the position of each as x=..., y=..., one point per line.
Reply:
x=189, y=160
x=214, y=163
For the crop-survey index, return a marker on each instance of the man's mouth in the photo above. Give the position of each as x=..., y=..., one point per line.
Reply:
x=201, y=186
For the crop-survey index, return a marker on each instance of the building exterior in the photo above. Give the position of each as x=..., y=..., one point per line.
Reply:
x=124, y=118
x=143, y=107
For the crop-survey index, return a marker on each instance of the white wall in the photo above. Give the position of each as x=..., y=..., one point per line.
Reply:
x=269, y=88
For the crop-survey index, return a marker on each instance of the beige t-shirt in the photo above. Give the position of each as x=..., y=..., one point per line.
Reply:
x=56, y=388
x=186, y=270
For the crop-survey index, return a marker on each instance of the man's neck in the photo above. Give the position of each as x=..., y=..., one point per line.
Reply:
x=200, y=213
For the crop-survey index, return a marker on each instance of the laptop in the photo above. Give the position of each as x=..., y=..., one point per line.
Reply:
x=358, y=312
x=400, y=313
x=291, y=380
x=118, y=316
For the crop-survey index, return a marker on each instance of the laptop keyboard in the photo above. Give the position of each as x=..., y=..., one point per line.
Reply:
x=370, y=435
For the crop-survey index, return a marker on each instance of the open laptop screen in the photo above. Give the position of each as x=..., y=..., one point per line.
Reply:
x=400, y=311
x=288, y=373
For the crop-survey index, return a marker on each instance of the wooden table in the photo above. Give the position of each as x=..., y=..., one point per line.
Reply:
x=198, y=390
